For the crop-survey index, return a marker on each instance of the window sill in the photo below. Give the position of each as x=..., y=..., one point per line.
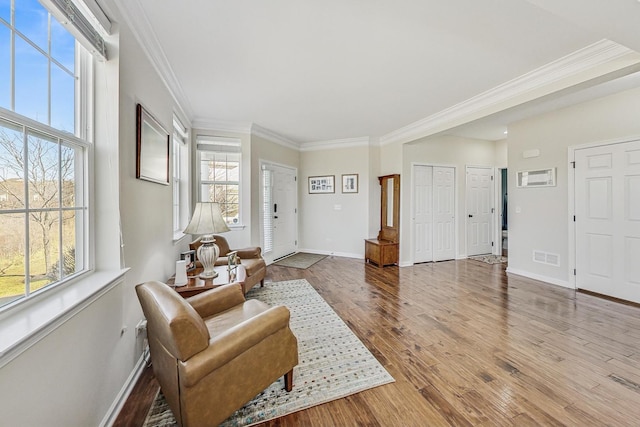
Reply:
x=177, y=237
x=28, y=322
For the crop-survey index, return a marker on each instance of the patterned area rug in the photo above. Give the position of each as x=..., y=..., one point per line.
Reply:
x=300, y=260
x=489, y=259
x=333, y=361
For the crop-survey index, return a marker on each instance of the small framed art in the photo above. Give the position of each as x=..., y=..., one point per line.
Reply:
x=322, y=184
x=350, y=183
x=190, y=259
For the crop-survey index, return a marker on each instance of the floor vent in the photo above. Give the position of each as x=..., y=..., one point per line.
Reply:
x=546, y=258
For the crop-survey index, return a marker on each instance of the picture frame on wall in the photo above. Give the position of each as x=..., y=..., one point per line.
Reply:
x=322, y=184
x=152, y=148
x=350, y=183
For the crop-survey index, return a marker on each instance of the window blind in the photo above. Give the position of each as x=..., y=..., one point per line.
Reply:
x=79, y=25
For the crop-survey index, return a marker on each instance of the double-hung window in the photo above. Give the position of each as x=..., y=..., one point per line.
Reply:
x=219, y=174
x=44, y=151
x=180, y=151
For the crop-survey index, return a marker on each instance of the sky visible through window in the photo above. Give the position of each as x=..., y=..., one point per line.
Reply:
x=43, y=65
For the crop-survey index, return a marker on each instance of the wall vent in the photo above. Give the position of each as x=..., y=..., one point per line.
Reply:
x=546, y=258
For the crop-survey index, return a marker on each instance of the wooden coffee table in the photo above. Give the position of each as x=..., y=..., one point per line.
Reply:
x=197, y=285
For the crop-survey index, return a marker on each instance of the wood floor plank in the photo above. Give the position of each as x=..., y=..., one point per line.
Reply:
x=470, y=345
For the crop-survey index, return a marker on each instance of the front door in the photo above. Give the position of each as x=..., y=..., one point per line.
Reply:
x=279, y=211
x=479, y=210
x=607, y=200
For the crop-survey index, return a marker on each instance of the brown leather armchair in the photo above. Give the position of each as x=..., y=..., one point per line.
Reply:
x=250, y=258
x=214, y=352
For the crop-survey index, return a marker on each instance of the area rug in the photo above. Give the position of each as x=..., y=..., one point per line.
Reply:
x=333, y=362
x=489, y=259
x=300, y=260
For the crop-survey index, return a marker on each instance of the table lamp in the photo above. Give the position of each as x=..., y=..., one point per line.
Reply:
x=207, y=220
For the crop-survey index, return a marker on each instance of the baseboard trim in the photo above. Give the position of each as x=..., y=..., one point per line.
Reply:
x=125, y=391
x=329, y=253
x=539, y=277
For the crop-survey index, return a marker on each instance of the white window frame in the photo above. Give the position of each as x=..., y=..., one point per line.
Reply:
x=83, y=107
x=220, y=145
x=180, y=181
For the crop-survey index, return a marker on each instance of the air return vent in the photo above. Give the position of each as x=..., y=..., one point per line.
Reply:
x=546, y=258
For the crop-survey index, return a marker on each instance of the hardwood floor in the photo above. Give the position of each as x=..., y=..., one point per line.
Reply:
x=469, y=345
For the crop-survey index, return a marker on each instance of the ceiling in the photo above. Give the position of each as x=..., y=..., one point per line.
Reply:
x=311, y=71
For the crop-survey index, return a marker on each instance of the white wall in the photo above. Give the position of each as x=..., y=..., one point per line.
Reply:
x=75, y=374
x=542, y=220
x=335, y=223
x=441, y=151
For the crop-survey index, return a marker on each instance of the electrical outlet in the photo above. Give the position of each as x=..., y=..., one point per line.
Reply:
x=141, y=327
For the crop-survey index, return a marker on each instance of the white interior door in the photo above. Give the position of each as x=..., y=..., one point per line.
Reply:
x=280, y=217
x=433, y=213
x=423, y=213
x=443, y=213
x=607, y=199
x=479, y=210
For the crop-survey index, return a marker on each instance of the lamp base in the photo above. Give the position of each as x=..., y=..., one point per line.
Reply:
x=208, y=254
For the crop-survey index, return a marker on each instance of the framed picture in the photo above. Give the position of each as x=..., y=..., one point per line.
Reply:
x=152, y=148
x=321, y=184
x=232, y=265
x=190, y=259
x=350, y=183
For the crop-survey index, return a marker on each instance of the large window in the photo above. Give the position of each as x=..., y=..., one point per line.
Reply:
x=43, y=160
x=219, y=174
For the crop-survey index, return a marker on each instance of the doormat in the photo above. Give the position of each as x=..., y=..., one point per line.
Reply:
x=489, y=259
x=333, y=362
x=300, y=260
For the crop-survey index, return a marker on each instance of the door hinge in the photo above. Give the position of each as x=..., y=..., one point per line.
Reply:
x=491, y=244
x=493, y=210
x=573, y=164
x=574, y=218
x=295, y=210
x=295, y=178
x=574, y=271
x=296, y=242
x=491, y=177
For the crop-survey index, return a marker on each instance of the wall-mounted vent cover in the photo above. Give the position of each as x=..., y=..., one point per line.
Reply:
x=546, y=258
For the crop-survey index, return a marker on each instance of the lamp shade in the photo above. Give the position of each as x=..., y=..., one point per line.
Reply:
x=206, y=219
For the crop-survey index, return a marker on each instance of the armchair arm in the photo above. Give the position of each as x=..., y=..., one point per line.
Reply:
x=233, y=342
x=252, y=252
x=216, y=300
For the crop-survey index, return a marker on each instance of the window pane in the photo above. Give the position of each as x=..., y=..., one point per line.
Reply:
x=233, y=171
x=44, y=240
x=32, y=20
x=12, y=244
x=31, y=82
x=5, y=67
x=11, y=167
x=70, y=159
x=62, y=100
x=43, y=172
x=71, y=262
x=5, y=10
x=63, y=45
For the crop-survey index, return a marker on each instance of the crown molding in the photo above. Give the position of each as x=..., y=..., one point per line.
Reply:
x=272, y=136
x=364, y=141
x=144, y=34
x=593, y=61
x=220, y=125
